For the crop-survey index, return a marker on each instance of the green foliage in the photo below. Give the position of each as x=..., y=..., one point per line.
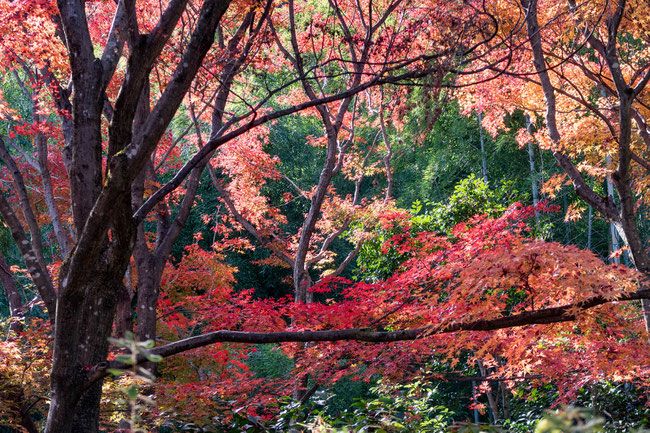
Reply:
x=623, y=406
x=269, y=362
x=345, y=393
x=431, y=159
x=414, y=407
x=571, y=419
x=471, y=196
x=395, y=415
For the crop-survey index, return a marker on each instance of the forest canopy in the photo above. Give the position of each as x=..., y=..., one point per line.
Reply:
x=230, y=215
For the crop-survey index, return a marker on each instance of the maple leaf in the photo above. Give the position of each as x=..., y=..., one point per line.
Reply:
x=554, y=184
x=574, y=212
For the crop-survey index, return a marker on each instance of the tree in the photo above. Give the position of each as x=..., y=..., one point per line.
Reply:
x=107, y=133
x=88, y=159
x=588, y=62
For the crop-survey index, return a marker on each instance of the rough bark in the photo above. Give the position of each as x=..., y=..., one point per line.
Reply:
x=84, y=323
x=96, y=267
x=124, y=314
x=104, y=223
x=150, y=264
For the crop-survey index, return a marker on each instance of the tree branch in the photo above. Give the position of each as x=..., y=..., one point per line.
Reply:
x=40, y=277
x=215, y=142
x=564, y=313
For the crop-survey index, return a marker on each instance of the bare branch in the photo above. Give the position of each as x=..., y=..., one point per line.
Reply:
x=266, y=241
x=348, y=259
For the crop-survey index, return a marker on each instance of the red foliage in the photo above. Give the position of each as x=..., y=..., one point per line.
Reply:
x=488, y=269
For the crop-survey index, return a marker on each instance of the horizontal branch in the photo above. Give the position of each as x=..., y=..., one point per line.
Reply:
x=537, y=317
x=564, y=313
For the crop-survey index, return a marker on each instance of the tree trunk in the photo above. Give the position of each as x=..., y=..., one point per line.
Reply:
x=124, y=313
x=623, y=217
x=85, y=329
x=493, y=405
x=533, y=172
x=612, y=228
x=13, y=296
x=147, y=292
x=84, y=321
x=483, y=157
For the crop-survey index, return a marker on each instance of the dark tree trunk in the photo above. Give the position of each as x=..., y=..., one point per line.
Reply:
x=84, y=321
x=149, y=274
x=124, y=314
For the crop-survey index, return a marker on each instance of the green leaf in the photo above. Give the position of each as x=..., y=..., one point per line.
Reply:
x=146, y=344
x=132, y=392
x=153, y=357
x=126, y=359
